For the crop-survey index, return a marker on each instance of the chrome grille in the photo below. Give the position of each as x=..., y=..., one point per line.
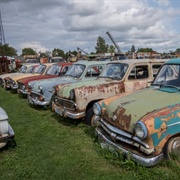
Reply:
x=65, y=103
x=34, y=95
x=20, y=85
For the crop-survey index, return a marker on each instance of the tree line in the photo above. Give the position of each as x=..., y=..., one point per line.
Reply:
x=101, y=47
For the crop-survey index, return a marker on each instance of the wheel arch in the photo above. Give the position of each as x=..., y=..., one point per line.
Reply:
x=90, y=104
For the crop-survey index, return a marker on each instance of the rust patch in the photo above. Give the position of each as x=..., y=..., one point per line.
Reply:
x=119, y=119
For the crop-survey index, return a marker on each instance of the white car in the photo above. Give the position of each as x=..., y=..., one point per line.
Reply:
x=6, y=131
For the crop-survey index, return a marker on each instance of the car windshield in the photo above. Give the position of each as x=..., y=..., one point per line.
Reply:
x=23, y=69
x=75, y=70
x=53, y=70
x=114, y=71
x=169, y=76
x=40, y=69
x=30, y=69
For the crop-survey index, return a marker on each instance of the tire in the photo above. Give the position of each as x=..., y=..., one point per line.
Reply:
x=172, y=148
x=89, y=117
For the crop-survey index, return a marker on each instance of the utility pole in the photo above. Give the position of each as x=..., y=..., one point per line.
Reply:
x=4, y=68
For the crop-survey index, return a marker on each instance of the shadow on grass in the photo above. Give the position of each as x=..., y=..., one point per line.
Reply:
x=66, y=121
x=10, y=145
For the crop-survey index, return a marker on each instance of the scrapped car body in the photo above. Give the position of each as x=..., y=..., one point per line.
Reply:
x=6, y=131
x=41, y=92
x=144, y=125
x=56, y=70
x=11, y=81
x=76, y=100
x=25, y=68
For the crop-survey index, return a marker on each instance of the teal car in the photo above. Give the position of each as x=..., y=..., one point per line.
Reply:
x=144, y=125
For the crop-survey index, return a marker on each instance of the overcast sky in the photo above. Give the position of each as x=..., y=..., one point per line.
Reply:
x=67, y=24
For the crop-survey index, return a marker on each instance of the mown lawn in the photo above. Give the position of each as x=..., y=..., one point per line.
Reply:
x=49, y=147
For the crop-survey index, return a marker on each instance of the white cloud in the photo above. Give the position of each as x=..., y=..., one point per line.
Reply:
x=69, y=24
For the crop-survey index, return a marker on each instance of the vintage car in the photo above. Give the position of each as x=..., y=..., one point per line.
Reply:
x=76, y=100
x=25, y=68
x=11, y=81
x=58, y=69
x=6, y=131
x=144, y=125
x=42, y=91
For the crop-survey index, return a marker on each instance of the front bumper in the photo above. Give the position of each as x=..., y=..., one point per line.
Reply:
x=10, y=135
x=22, y=91
x=143, y=160
x=37, y=102
x=66, y=113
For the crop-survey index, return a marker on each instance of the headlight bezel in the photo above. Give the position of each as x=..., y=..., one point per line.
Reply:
x=140, y=130
x=40, y=89
x=97, y=109
x=72, y=94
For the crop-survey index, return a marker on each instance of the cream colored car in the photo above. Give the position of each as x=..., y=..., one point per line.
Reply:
x=11, y=81
x=25, y=68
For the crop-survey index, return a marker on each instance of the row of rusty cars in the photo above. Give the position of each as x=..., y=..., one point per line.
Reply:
x=133, y=104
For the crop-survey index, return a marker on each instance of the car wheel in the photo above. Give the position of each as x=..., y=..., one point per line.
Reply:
x=172, y=148
x=89, y=117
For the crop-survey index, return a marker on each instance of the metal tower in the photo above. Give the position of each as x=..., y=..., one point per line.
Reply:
x=2, y=37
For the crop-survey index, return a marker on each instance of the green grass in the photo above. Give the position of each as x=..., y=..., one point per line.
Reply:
x=50, y=147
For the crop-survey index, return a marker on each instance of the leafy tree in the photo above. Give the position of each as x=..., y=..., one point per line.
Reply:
x=7, y=50
x=133, y=49
x=28, y=51
x=58, y=52
x=145, y=50
x=111, y=49
x=43, y=55
x=177, y=50
x=101, y=46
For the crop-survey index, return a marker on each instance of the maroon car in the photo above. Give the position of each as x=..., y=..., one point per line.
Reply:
x=58, y=69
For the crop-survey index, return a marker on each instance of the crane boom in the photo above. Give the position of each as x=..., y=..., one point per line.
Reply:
x=112, y=39
x=80, y=50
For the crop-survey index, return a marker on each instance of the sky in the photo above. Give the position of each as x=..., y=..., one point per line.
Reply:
x=67, y=24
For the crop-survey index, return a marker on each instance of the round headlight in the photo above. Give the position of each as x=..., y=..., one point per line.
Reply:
x=97, y=109
x=140, y=130
x=72, y=94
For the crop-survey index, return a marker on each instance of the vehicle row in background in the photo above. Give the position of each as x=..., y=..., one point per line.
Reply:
x=41, y=92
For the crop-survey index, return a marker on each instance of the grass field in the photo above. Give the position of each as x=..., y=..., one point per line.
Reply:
x=49, y=147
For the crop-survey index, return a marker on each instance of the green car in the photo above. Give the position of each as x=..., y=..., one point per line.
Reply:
x=144, y=125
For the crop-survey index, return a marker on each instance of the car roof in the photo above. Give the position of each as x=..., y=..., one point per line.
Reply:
x=133, y=61
x=173, y=61
x=85, y=62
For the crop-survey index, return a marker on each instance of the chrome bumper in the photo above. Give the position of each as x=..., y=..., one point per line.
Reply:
x=37, y=102
x=9, y=137
x=25, y=92
x=65, y=113
x=145, y=161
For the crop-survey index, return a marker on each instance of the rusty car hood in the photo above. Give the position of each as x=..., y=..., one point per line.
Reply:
x=85, y=86
x=125, y=111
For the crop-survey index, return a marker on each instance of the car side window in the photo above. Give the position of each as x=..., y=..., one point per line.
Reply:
x=94, y=71
x=155, y=69
x=64, y=70
x=139, y=72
